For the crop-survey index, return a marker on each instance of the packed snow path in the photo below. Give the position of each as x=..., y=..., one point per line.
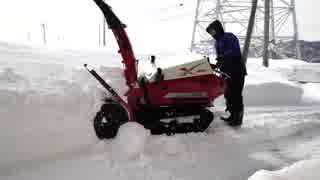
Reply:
x=270, y=138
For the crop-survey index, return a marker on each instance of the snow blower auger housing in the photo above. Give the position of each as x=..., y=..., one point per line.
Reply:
x=184, y=90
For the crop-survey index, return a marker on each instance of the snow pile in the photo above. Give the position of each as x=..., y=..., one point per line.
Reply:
x=272, y=93
x=306, y=73
x=311, y=92
x=47, y=107
x=33, y=106
x=271, y=86
x=303, y=170
x=130, y=141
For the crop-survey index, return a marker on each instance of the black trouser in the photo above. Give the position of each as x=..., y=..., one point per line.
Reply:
x=233, y=95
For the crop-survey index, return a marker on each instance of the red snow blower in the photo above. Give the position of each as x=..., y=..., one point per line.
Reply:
x=184, y=90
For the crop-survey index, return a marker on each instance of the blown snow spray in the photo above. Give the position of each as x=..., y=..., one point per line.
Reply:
x=130, y=141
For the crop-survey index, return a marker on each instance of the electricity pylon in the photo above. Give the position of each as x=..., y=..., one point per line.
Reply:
x=234, y=15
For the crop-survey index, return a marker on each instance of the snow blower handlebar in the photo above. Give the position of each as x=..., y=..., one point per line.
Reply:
x=216, y=68
x=124, y=44
x=225, y=75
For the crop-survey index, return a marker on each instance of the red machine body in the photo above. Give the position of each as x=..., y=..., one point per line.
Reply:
x=185, y=86
x=183, y=90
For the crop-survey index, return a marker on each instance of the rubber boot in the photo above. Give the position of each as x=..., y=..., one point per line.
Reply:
x=236, y=119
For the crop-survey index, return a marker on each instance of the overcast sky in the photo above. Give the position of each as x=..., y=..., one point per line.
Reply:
x=152, y=25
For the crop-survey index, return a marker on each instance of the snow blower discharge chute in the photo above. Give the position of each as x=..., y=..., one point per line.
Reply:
x=184, y=90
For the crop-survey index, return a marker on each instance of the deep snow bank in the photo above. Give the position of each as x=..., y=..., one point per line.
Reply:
x=43, y=90
x=271, y=86
x=47, y=102
x=303, y=170
x=311, y=92
x=32, y=104
x=272, y=93
x=306, y=73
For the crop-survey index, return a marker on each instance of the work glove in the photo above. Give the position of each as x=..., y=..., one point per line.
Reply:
x=220, y=58
x=219, y=61
x=213, y=66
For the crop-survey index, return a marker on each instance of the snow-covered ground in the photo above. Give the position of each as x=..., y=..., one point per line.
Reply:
x=47, y=102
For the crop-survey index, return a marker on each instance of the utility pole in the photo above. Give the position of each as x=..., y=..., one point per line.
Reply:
x=104, y=32
x=272, y=31
x=296, y=32
x=99, y=34
x=44, y=33
x=266, y=33
x=250, y=30
x=29, y=37
x=194, y=27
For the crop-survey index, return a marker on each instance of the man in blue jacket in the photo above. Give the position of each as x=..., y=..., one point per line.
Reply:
x=229, y=60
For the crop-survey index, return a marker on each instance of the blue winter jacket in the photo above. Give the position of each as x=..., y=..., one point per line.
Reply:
x=227, y=46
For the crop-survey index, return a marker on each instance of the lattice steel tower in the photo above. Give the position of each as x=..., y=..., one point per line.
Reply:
x=234, y=14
